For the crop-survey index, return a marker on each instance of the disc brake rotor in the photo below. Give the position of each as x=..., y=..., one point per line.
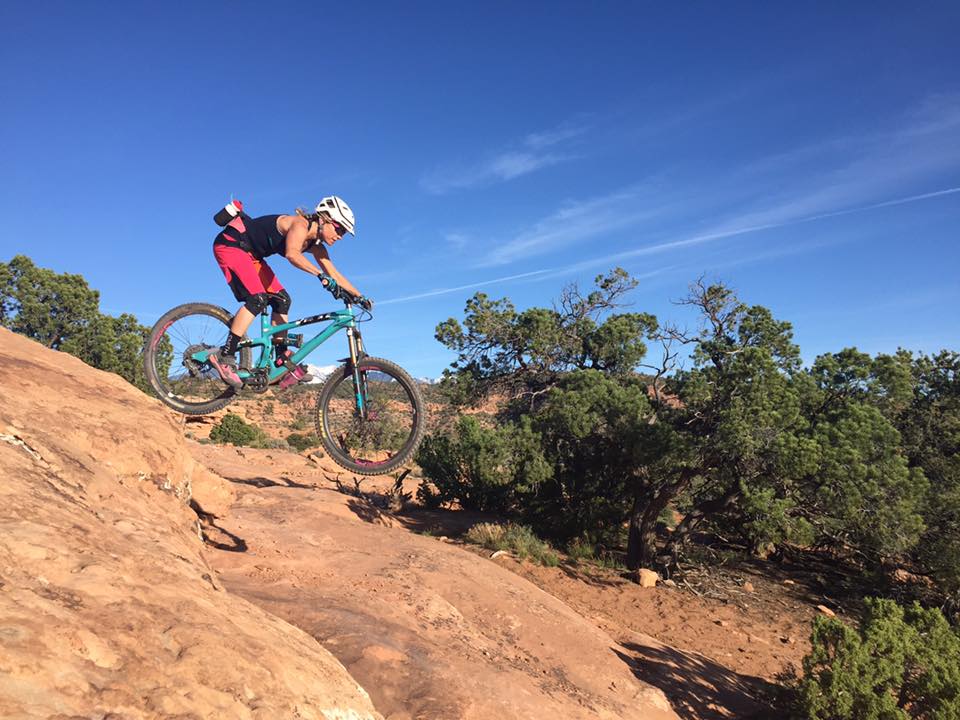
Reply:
x=194, y=367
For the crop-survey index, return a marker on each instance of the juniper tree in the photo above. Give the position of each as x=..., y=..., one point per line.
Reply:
x=62, y=312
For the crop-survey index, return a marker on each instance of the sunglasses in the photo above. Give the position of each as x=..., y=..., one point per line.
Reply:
x=340, y=229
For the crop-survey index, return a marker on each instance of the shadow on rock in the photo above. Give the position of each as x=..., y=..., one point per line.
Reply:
x=451, y=523
x=221, y=539
x=368, y=512
x=262, y=482
x=699, y=689
x=576, y=572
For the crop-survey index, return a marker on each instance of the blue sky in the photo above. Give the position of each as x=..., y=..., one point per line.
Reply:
x=807, y=154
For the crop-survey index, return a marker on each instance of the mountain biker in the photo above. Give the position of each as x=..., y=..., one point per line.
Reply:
x=241, y=250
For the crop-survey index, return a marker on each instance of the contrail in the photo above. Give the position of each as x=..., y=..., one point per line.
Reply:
x=444, y=291
x=697, y=239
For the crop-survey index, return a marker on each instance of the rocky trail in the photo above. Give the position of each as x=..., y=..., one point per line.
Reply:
x=429, y=629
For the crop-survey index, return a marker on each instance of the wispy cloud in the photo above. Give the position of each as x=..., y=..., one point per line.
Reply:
x=457, y=240
x=746, y=229
x=532, y=153
x=538, y=141
x=812, y=183
x=613, y=258
x=832, y=178
x=532, y=275
x=852, y=170
x=578, y=221
x=469, y=286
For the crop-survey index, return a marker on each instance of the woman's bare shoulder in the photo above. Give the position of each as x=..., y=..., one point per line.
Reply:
x=285, y=222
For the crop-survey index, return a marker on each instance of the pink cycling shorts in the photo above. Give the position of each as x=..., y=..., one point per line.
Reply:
x=245, y=274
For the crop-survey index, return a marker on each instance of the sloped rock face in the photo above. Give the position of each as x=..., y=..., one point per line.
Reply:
x=107, y=607
x=430, y=629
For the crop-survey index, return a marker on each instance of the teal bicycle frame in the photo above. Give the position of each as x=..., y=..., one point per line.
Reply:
x=339, y=320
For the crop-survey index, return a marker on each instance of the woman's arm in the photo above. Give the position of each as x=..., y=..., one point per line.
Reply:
x=323, y=259
x=296, y=242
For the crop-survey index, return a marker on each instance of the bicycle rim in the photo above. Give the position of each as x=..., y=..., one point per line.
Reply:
x=382, y=437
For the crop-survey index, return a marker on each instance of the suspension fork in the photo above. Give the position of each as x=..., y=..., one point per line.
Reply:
x=355, y=342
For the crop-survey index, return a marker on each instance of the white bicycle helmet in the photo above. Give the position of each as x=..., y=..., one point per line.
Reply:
x=338, y=211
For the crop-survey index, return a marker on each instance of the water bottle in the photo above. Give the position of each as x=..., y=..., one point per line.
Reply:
x=293, y=377
x=228, y=213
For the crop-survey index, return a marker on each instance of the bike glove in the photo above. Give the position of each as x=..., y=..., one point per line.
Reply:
x=365, y=302
x=331, y=285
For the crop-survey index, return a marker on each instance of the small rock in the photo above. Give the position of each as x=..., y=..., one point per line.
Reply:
x=721, y=623
x=765, y=550
x=788, y=640
x=647, y=578
x=748, y=586
x=789, y=582
x=499, y=553
x=908, y=578
x=826, y=611
x=669, y=583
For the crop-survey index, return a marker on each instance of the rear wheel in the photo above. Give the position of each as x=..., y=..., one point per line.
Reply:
x=387, y=433
x=188, y=386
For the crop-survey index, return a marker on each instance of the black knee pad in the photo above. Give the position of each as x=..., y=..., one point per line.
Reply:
x=280, y=302
x=256, y=304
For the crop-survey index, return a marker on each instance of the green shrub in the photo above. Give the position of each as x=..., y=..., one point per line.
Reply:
x=234, y=430
x=481, y=467
x=301, y=442
x=298, y=424
x=900, y=663
x=518, y=539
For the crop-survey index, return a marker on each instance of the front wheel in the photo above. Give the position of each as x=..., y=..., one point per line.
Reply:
x=178, y=379
x=375, y=427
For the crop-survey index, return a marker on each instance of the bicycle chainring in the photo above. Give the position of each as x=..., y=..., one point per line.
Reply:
x=258, y=381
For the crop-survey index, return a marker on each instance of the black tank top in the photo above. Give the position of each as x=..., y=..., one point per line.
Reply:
x=263, y=237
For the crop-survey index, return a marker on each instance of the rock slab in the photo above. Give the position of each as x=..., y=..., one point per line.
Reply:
x=107, y=606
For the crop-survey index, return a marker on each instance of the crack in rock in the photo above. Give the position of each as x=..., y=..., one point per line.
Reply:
x=19, y=442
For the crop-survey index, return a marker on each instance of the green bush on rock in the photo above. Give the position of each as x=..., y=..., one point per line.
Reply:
x=234, y=430
x=302, y=441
